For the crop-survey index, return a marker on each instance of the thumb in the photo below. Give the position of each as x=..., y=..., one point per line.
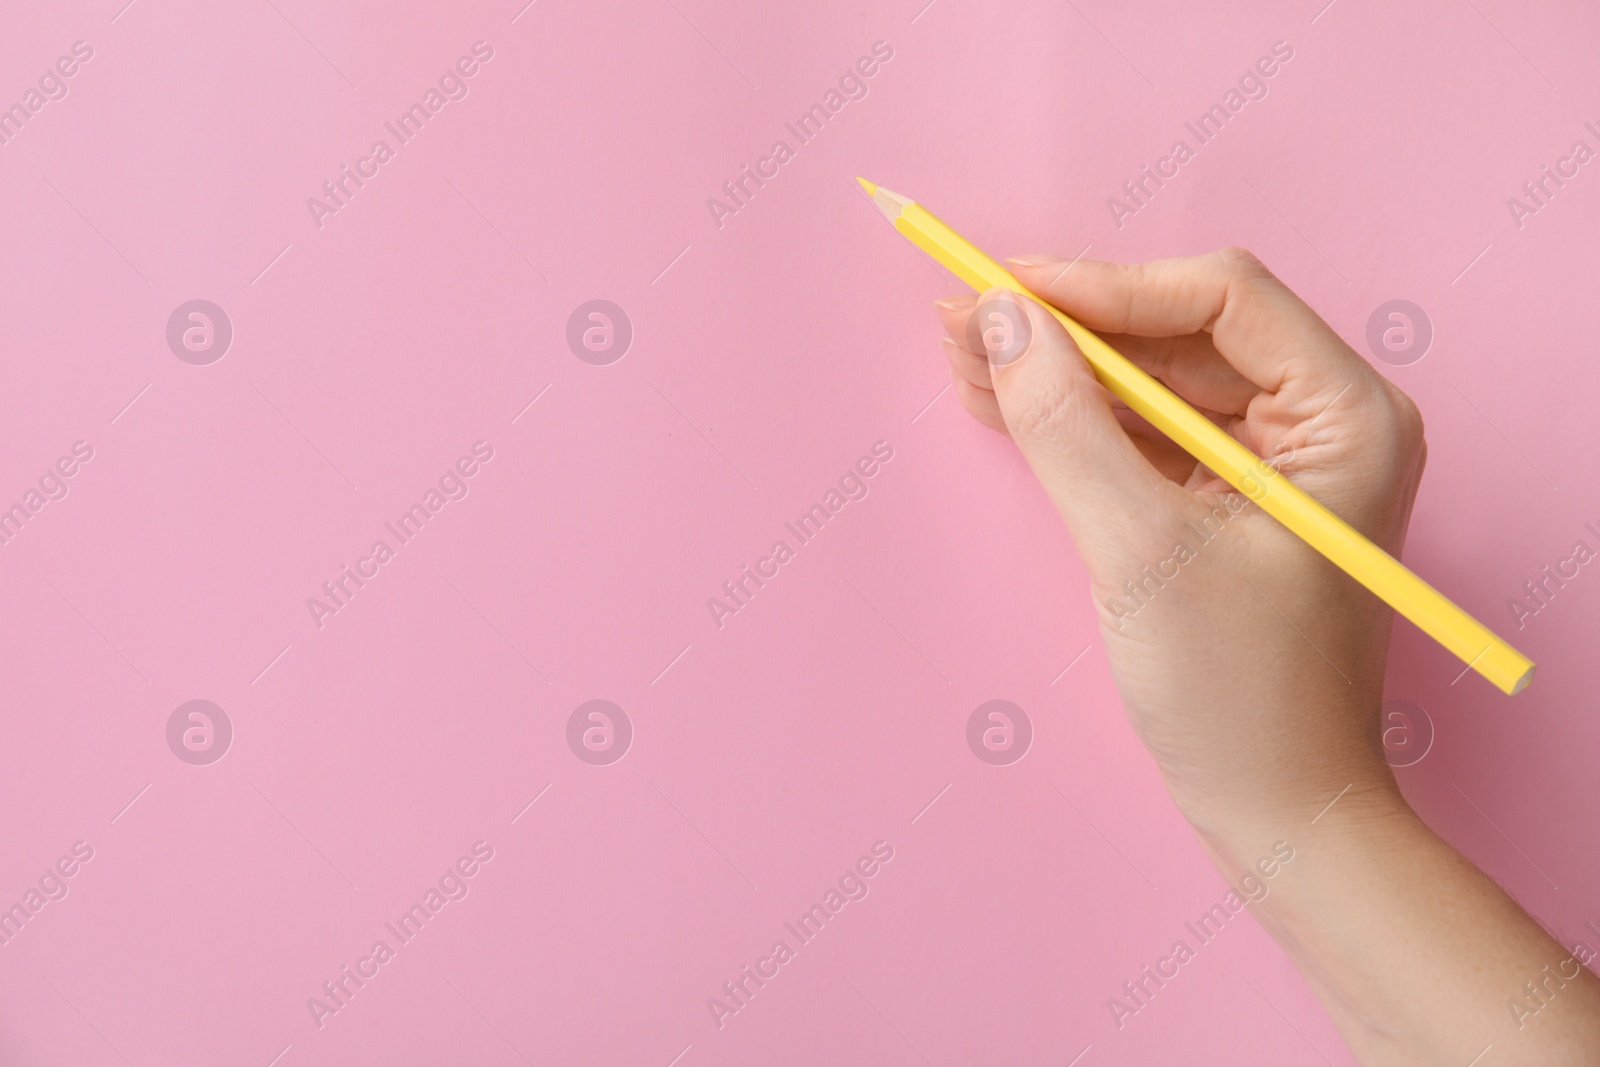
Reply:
x=1060, y=417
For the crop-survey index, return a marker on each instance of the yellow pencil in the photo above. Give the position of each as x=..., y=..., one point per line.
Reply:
x=1389, y=579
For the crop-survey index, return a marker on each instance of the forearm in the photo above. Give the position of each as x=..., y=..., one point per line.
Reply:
x=1417, y=956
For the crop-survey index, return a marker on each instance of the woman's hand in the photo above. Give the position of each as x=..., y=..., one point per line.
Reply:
x=1252, y=667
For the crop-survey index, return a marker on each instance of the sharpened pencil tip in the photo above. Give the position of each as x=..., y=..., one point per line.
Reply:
x=890, y=204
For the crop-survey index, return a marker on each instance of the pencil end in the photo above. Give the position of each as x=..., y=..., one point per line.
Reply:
x=871, y=189
x=1522, y=683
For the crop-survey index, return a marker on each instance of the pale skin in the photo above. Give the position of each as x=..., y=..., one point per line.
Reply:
x=1255, y=675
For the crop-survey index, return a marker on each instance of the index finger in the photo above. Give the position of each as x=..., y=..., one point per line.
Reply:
x=1256, y=322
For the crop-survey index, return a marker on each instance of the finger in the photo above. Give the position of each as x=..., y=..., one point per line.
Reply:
x=1190, y=366
x=1257, y=324
x=980, y=404
x=964, y=345
x=1173, y=462
x=1061, y=419
x=1199, y=374
x=974, y=370
x=953, y=312
x=1204, y=379
x=1140, y=429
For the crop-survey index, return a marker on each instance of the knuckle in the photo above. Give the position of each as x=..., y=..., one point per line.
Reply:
x=1246, y=270
x=1242, y=261
x=1404, y=418
x=1132, y=279
x=1250, y=282
x=1046, y=412
x=1408, y=420
x=1160, y=357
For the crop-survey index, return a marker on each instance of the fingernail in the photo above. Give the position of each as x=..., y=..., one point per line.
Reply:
x=1000, y=328
x=1033, y=261
x=957, y=303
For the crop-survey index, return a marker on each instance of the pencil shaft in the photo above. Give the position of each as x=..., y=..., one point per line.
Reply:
x=1389, y=579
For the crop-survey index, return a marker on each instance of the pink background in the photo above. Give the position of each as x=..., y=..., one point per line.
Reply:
x=768, y=354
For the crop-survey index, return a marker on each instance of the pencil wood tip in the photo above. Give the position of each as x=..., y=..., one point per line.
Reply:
x=890, y=203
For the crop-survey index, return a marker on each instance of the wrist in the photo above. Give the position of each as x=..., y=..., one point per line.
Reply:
x=1359, y=808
